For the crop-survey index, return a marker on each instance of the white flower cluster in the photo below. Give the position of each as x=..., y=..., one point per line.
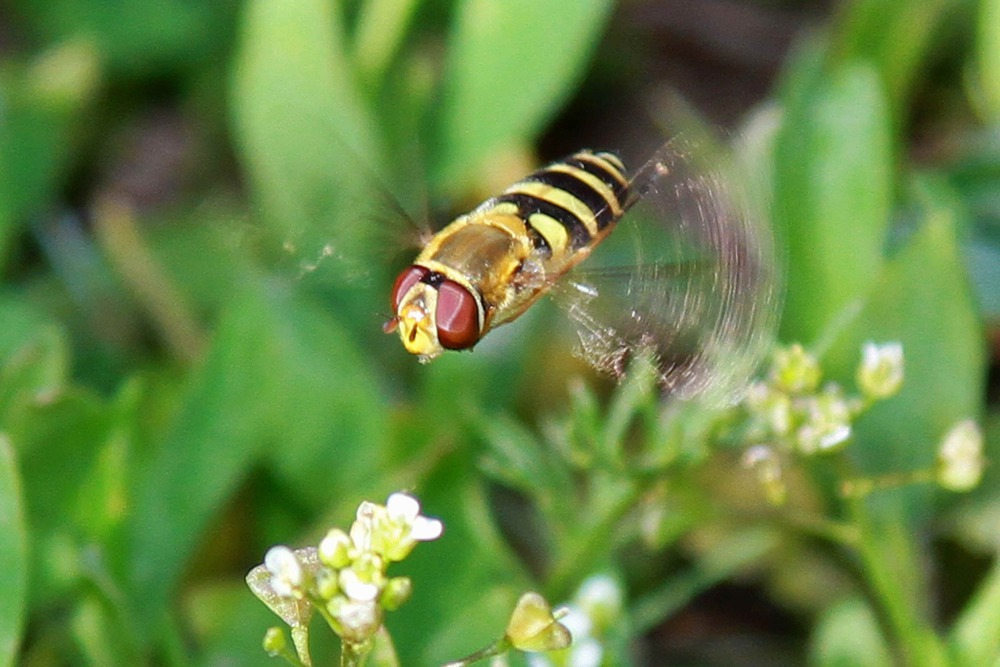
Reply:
x=792, y=412
x=345, y=579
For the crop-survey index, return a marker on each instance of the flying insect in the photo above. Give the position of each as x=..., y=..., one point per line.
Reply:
x=691, y=282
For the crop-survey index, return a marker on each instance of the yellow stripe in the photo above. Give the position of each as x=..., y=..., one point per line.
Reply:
x=609, y=162
x=552, y=231
x=594, y=182
x=503, y=208
x=559, y=198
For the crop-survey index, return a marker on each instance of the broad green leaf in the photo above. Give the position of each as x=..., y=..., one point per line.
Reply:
x=329, y=414
x=511, y=64
x=923, y=300
x=304, y=136
x=281, y=385
x=13, y=555
x=42, y=104
x=379, y=35
x=897, y=37
x=989, y=56
x=56, y=426
x=228, y=622
x=833, y=187
x=137, y=37
x=849, y=635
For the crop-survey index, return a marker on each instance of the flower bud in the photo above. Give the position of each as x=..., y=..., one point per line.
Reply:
x=275, y=641
x=795, y=370
x=960, y=457
x=397, y=592
x=880, y=374
x=335, y=549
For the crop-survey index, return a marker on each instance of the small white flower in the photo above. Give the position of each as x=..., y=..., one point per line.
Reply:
x=586, y=652
x=880, y=374
x=287, y=576
x=396, y=530
x=601, y=599
x=358, y=620
x=960, y=457
x=828, y=422
x=405, y=509
x=822, y=437
x=364, y=523
x=772, y=409
x=356, y=588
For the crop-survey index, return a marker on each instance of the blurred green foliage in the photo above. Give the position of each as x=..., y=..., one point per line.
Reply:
x=191, y=367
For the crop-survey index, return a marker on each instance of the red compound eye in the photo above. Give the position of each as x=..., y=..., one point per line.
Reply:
x=407, y=279
x=457, y=317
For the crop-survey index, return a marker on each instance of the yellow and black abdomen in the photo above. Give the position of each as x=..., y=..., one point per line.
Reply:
x=570, y=205
x=491, y=264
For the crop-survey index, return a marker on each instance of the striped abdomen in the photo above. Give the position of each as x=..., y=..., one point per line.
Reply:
x=489, y=265
x=569, y=205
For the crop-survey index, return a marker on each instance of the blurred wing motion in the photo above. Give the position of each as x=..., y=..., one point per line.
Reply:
x=688, y=277
x=697, y=294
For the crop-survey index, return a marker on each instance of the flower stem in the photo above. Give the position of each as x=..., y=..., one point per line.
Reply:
x=889, y=564
x=351, y=654
x=498, y=647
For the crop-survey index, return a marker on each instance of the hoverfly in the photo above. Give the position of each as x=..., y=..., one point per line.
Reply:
x=696, y=290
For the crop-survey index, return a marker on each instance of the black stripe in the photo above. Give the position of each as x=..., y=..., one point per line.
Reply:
x=529, y=204
x=592, y=199
x=613, y=179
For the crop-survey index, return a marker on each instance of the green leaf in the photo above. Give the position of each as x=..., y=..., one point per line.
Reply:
x=848, y=635
x=923, y=300
x=975, y=637
x=136, y=37
x=988, y=36
x=55, y=426
x=282, y=383
x=897, y=37
x=13, y=555
x=42, y=104
x=228, y=622
x=833, y=186
x=304, y=136
x=511, y=64
x=380, y=31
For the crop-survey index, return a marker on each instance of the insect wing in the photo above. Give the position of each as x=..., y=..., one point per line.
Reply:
x=365, y=234
x=687, y=277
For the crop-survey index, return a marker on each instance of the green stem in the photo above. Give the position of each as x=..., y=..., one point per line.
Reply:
x=300, y=639
x=836, y=532
x=352, y=655
x=498, y=647
x=890, y=566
